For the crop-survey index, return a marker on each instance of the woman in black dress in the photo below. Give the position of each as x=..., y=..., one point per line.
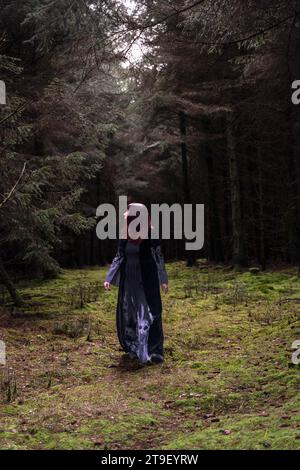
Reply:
x=138, y=270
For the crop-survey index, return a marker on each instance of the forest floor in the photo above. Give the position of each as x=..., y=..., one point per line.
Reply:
x=228, y=381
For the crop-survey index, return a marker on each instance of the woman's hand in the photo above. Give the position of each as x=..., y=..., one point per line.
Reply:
x=165, y=288
x=106, y=285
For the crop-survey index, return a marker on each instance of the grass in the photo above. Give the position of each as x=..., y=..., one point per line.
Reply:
x=227, y=381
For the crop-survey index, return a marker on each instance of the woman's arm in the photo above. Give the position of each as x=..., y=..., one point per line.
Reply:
x=113, y=273
x=160, y=263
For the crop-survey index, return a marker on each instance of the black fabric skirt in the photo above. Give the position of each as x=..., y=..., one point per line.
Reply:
x=139, y=312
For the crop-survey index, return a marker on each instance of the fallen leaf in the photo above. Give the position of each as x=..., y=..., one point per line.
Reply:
x=264, y=413
x=168, y=404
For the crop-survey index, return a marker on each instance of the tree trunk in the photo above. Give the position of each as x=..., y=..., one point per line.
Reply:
x=294, y=194
x=238, y=253
x=190, y=255
x=262, y=251
x=293, y=163
x=214, y=218
x=226, y=229
x=6, y=281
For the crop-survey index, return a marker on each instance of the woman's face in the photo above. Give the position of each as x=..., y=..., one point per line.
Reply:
x=141, y=228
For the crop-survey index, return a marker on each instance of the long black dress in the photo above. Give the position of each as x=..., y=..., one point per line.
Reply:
x=139, y=270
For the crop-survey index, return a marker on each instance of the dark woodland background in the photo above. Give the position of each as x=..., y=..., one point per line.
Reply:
x=205, y=117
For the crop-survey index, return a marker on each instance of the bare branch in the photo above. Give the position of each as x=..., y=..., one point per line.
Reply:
x=9, y=195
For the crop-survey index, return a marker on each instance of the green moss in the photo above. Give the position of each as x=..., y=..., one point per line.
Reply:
x=227, y=341
x=10, y=410
x=243, y=432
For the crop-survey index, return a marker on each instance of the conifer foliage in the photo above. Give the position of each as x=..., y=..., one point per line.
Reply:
x=203, y=115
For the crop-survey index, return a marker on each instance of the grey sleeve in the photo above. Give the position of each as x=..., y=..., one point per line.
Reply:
x=113, y=273
x=160, y=263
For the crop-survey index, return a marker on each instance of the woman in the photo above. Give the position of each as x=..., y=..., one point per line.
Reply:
x=138, y=269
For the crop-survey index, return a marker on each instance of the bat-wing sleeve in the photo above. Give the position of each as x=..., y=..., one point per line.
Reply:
x=113, y=274
x=160, y=263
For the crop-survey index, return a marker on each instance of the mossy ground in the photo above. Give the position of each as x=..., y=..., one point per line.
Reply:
x=227, y=381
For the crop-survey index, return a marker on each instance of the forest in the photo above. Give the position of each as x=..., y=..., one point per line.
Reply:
x=181, y=101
